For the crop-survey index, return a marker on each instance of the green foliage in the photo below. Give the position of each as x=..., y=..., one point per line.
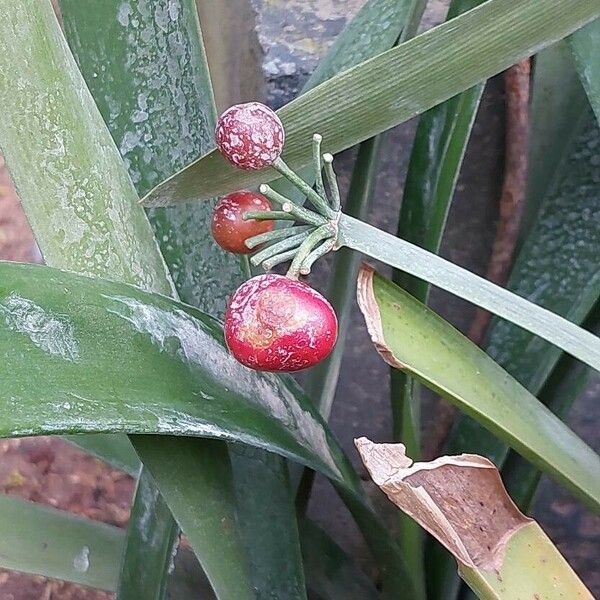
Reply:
x=418, y=341
x=91, y=356
x=394, y=87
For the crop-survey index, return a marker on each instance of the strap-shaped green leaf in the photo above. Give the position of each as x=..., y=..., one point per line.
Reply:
x=150, y=545
x=585, y=45
x=41, y=540
x=44, y=541
x=395, y=86
x=413, y=338
x=516, y=309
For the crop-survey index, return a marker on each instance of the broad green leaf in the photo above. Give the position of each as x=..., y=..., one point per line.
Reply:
x=150, y=544
x=145, y=66
x=394, y=87
x=83, y=185
x=113, y=358
x=411, y=337
x=68, y=173
x=331, y=573
x=115, y=450
x=41, y=540
x=558, y=101
x=585, y=45
x=157, y=76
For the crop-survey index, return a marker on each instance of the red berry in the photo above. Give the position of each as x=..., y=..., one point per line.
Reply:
x=228, y=226
x=250, y=136
x=274, y=323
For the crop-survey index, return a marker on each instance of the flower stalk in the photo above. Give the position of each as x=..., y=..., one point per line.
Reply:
x=317, y=233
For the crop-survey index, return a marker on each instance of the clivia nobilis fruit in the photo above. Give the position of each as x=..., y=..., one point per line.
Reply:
x=250, y=136
x=229, y=228
x=276, y=323
x=272, y=322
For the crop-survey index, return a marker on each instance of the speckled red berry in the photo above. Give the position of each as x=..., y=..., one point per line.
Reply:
x=228, y=226
x=250, y=136
x=274, y=323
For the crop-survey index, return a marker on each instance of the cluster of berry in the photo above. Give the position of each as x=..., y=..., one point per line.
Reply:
x=272, y=322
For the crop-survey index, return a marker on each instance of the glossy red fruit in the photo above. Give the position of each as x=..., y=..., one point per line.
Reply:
x=250, y=136
x=228, y=226
x=274, y=323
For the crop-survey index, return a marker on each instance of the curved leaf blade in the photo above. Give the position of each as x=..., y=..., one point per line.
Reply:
x=154, y=366
x=41, y=540
x=135, y=362
x=150, y=544
x=411, y=337
x=394, y=87
x=585, y=45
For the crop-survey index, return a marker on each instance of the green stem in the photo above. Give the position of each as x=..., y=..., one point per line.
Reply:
x=308, y=245
x=314, y=256
x=299, y=212
x=322, y=380
x=403, y=255
x=280, y=258
x=334, y=190
x=268, y=215
x=277, y=234
x=317, y=201
x=317, y=139
x=291, y=242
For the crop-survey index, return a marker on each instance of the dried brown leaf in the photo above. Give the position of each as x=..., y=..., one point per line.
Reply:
x=370, y=310
x=460, y=500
